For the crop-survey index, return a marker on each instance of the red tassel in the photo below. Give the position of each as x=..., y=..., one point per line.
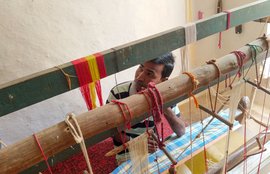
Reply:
x=101, y=65
x=99, y=92
x=84, y=77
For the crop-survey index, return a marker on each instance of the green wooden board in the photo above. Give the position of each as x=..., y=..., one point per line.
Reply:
x=49, y=83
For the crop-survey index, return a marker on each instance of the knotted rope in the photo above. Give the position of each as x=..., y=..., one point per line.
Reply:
x=76, y=132
x=240, y=62
x=127, y=121
x=213, y=62
x=195, y=84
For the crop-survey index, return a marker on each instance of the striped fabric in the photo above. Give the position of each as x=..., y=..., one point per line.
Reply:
x=176, y=146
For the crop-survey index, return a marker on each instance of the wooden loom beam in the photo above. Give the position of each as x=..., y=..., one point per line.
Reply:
x=25, y=153
x=37, y=87
x=229, y=124
x=259, y=87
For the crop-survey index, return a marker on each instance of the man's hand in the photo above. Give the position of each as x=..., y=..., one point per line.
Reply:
x=152, y=145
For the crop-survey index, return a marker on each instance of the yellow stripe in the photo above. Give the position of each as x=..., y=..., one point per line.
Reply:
x=93, y=67
x=93, y=94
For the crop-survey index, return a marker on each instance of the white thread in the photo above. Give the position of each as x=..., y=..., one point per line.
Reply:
x=185, y=59
x=190, y=33
x=78, y=137
x=138, y=151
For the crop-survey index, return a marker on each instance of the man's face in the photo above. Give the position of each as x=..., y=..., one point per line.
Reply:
x=146, y=73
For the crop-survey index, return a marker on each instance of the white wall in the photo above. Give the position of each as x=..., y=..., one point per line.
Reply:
x=36, y=35
x=207, y=48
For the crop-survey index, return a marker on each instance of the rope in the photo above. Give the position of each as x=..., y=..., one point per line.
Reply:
x=157, y=110
x=146, y=122
x=245, y=146
x=197, y=136
x=213, y=62
x=76, y=132
x=254, y=50
x=67, y=76
x=240, y=56
x=190, y=133
x=157, y=101
x=228, y=25
x=265, y=24
x=258, y=171
x=235, y=97
x=266, y=56
x=127, y=121
x=264, y=141
x=204, y=147
x=43, y=154
x=195, y=84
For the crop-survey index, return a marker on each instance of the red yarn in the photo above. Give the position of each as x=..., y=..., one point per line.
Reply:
x=101, y=65
x=228, y=19
x=82, y=71
x=228, y=25
x=43, y=154
x=84, y=77
x=99, y=92
x=157, y=110
x=127, y=121
x=146, y=122
x=240, y=61
x=156, y=100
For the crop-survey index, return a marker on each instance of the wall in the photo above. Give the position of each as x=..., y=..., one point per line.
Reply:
x=36, y=35
x=207, y=48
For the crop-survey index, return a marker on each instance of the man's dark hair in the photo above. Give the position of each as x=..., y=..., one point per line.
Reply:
x=168, y=61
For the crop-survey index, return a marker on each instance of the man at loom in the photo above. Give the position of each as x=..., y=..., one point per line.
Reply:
x=156, y=71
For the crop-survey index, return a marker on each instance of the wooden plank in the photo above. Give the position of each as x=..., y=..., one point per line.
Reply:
x=32, y=89
x=25, y=153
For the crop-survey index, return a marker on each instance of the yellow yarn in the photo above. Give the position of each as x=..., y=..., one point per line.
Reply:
x=93, y=67
x=94, y=71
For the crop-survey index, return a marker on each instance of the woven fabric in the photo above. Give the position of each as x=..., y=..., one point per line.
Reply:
x=176, y=146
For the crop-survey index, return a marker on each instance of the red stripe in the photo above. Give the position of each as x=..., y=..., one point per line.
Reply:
x=43, y=154
x=99, y=92
x=228, y=19
x=84, y=77
x=82, y=71
x=101, y=65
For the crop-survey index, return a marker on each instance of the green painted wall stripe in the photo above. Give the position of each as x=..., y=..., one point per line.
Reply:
x=49, y=83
